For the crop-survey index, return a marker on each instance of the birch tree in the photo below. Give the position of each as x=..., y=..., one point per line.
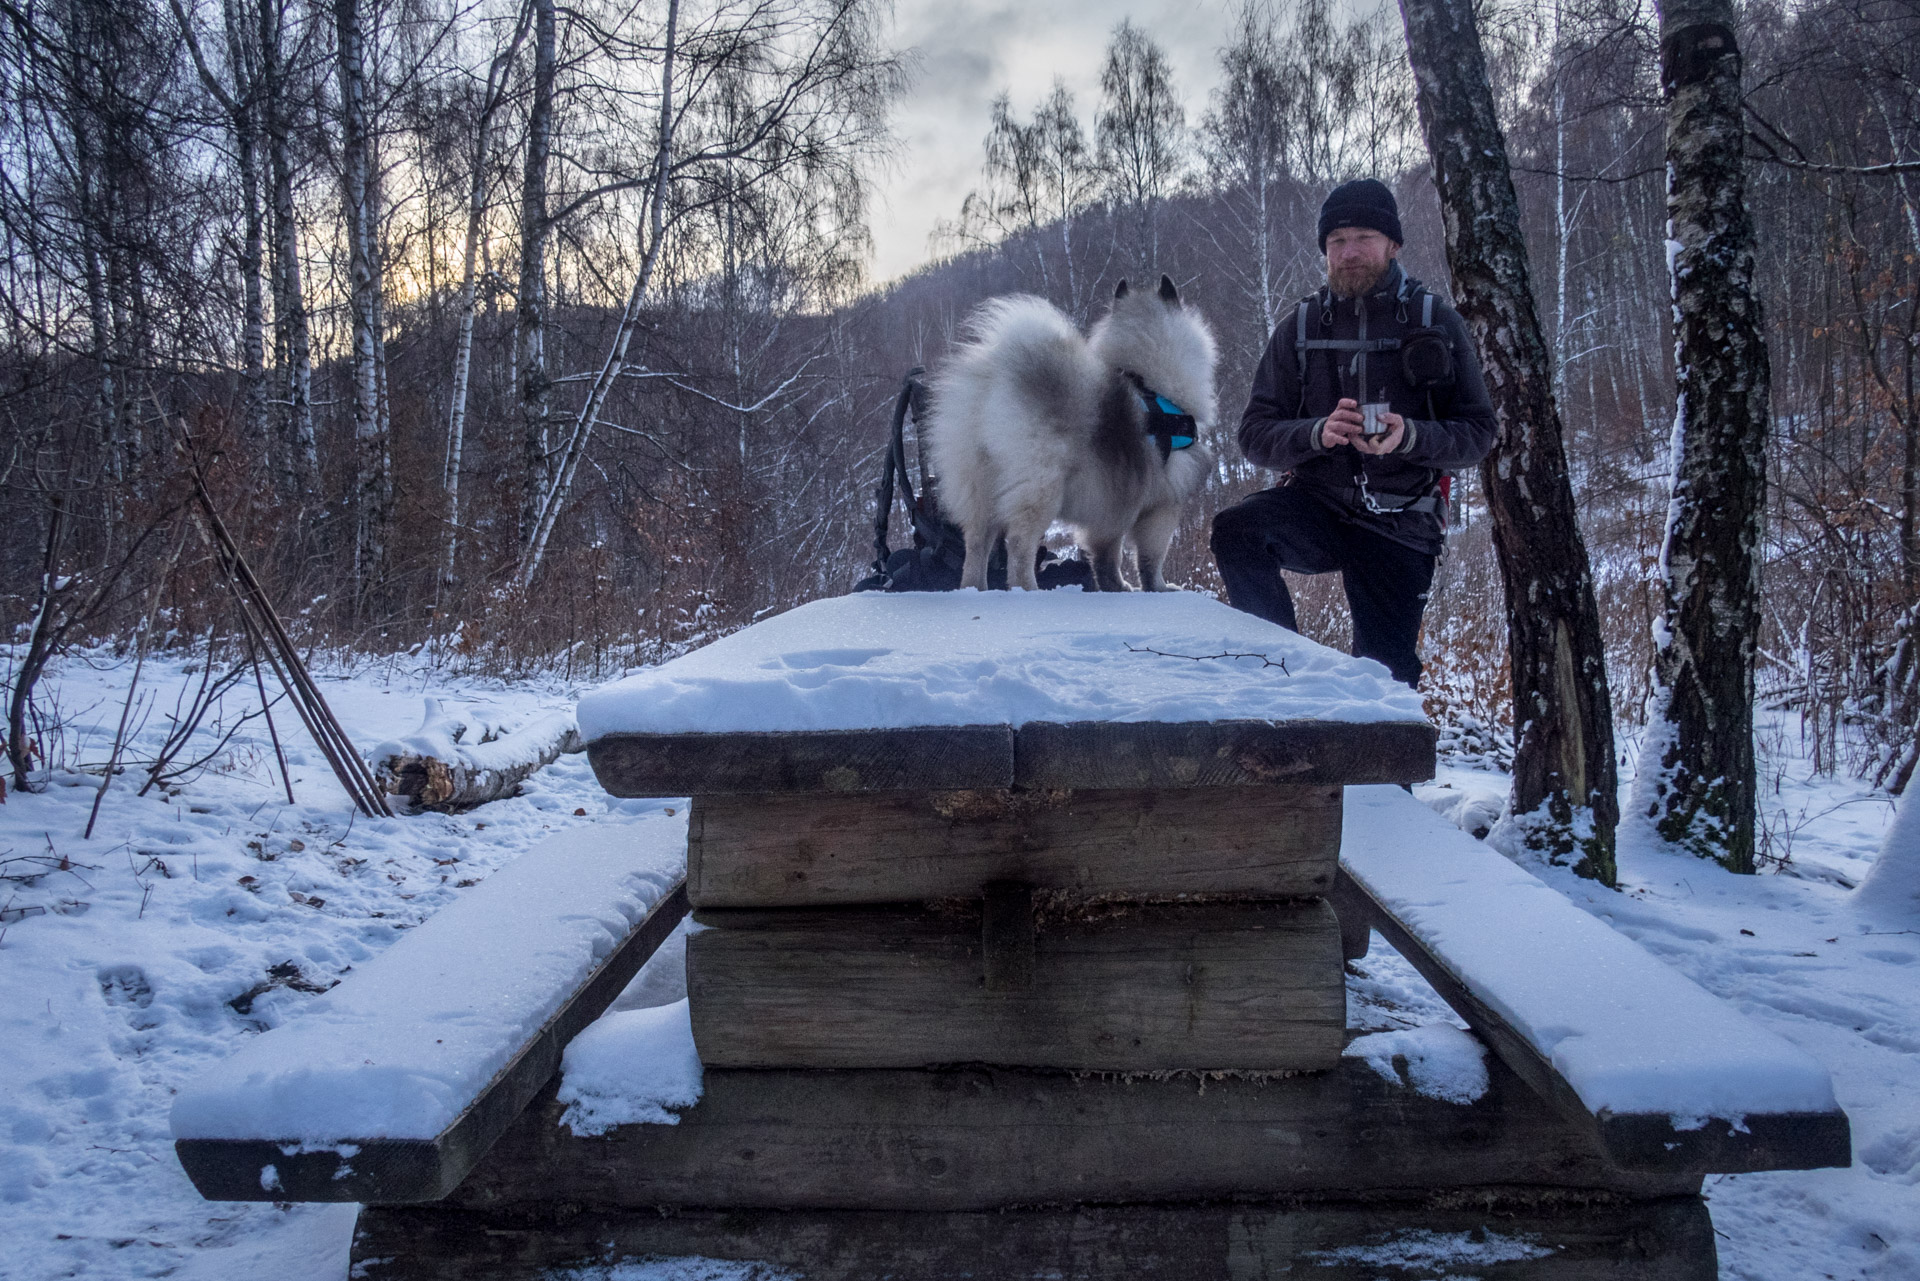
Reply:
x=238, y=95
x=1246, y=143
x=1141, y=128
x=360, y=178
x=93, y=184
x=1069, y=181
x=1698, y=760
x=530, y=360
x=1564, y=786
x=299, y=453
x=1010, y=201
x=1038, y=177
x=493, y=97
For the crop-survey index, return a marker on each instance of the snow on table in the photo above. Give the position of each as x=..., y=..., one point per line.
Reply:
x=879, y=660
x=402, y=1045
x=1630, y=1035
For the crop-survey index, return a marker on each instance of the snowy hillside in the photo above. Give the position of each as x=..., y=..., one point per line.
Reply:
x=134, y=962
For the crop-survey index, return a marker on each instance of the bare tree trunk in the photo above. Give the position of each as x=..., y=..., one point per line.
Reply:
x=100, y=316
x=469, y=293
x=241, y=103
x=536, y=384
x=1564, y=784
x=246, y=137
x=90, y=201
x=299, y=468
x=1902, y=669
x=1910, y=420
x=40, y=647
x=1700, y=747
x=1269, y=305
x=1562, y=231
x=373, y=479
x=589, y=416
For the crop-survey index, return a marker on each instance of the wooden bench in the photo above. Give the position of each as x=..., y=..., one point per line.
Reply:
x=391, y=1086
x=1662, y=1074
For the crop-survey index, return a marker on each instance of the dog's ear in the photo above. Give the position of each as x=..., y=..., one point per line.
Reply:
x=1168, y=294
x=1120, y=290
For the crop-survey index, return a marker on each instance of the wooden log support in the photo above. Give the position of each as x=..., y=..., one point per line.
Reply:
x=1494, y=1238
x=1007, y=936
x=860, y=760
x=396, y=1171
x=1356, y=912
x=1222, y=753
x=1226, y=986
x=979, y=1138
x=1084, y=754
x=800, y=850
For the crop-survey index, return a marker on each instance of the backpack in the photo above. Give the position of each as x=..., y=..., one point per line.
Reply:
x=939, y=552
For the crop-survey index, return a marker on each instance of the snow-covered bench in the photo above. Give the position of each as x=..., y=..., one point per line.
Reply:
x=1667, y=1076
x=394, y=1083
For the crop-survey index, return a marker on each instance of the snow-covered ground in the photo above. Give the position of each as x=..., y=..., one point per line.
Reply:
x=132, y=962
x=191, y=921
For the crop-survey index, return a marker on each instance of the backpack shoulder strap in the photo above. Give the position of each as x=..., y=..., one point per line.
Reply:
x=1300, y=349
x=1300, y=338
x=1426, y=309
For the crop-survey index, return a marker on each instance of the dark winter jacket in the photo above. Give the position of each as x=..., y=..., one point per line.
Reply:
x=1279, y=427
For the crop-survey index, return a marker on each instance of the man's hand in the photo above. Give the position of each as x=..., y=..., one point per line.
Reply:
x=1344, y=425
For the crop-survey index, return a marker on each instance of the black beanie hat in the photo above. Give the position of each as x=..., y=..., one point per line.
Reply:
x=1364, y=202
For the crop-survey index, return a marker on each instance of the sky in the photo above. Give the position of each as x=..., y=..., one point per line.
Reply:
x=968, y=52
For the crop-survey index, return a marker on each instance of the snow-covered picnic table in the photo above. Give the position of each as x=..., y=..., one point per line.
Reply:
x=1043, y=835
x=957, y=690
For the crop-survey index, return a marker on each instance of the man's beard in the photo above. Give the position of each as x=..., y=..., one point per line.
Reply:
x=1353, y=282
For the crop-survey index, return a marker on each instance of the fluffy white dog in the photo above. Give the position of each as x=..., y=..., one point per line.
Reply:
x=1031, y=423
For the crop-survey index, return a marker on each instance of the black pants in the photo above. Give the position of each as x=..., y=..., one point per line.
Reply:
x=1288, y=528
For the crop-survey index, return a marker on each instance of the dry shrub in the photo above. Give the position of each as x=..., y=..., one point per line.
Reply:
x=1468, y=685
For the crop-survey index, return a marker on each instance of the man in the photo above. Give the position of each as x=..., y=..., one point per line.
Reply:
x=1360, y=491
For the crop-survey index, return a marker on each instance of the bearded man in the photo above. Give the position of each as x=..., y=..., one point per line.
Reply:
x=1368, y=394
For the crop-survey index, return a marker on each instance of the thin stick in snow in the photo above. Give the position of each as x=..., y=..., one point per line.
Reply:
x=139, y=661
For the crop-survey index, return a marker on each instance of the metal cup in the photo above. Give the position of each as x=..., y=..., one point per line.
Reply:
x=1374, y=420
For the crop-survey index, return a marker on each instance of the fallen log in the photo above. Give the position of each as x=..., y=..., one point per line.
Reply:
x=434, y=770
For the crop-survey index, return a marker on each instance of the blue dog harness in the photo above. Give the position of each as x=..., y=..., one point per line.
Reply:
x=1170, y=426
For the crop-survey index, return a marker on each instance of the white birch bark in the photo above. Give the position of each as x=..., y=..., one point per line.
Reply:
x=299, y=454
x=1698, y=773
x=490, y=103
x=530, y=334
x=1563, y=234
x=373, y=476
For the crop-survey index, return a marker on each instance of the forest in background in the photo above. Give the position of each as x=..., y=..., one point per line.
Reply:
x=540, y=335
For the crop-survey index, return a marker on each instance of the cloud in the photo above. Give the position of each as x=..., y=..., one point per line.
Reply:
x=970, y=53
